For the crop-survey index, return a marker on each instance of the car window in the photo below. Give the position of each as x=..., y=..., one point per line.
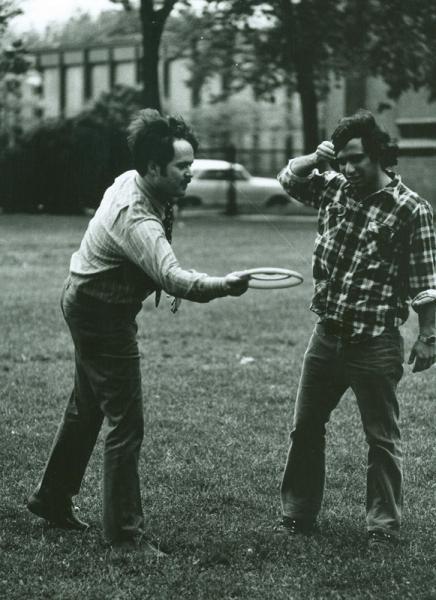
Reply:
x=220, y=174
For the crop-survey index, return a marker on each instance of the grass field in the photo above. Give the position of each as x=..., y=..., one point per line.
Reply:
x=216, y=436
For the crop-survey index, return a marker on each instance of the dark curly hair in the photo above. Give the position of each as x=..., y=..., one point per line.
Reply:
x=377, y=143
x=151, y=137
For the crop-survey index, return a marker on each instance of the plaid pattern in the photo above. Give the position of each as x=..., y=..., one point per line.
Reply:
x=125, y=254
x=371, y=256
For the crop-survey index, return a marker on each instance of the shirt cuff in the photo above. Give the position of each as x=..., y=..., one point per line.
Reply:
x=424, y=297
x=296, y=177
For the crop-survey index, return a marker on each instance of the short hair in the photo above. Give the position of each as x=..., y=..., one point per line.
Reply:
x=377, y=143
x=151, y=136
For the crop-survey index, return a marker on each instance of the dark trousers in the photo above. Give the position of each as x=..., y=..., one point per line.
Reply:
x=372, y=369
x=107, y=387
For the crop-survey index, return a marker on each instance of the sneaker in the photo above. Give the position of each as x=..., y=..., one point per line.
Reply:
x=289, y=526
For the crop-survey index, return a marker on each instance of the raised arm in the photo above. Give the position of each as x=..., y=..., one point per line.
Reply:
x=302, y=180
x=302, y=166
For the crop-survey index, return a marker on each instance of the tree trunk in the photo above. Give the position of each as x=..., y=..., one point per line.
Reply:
x=300, y=55
x=196, y=82
x=151, y=36
x=309, y=107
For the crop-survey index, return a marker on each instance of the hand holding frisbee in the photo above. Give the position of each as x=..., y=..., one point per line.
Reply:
x=270, y=278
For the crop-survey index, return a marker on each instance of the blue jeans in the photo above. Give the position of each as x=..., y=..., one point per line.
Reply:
x=372, y=369
x=107, y=387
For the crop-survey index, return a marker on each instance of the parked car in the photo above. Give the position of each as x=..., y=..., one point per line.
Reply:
x=210, y=184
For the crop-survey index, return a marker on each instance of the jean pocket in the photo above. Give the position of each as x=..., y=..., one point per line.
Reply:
x=386, y=350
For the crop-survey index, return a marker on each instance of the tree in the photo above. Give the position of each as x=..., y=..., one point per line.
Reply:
x=8, y=11
x=394, y=40
x=64, y=165
x=13, y=65
x=301, y=43
x=273, y=51
x=153, y=17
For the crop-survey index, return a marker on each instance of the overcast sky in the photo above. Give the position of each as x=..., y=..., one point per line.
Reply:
x=38, y=13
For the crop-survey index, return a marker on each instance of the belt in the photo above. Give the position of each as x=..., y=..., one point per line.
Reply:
x=342, y=332
x=345, y=333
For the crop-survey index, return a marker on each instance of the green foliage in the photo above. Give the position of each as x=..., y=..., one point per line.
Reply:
x=228, y=121
x=8, y=10
x=115, y=108
x=13, y=66
x=216, y=436
x=393, y=39
x=64, y=166
x=300, y=46
x=274, y=36
x=14, y=59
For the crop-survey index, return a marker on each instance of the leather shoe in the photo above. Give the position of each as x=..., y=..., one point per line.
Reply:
x=289, y=526
x=381, y=540
x=139, y=546
x=59, y=514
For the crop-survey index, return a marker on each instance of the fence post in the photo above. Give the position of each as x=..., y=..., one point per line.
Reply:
x=231, y=204
x=289, y=146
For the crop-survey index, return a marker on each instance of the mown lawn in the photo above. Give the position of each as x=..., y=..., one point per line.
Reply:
x=216, y=435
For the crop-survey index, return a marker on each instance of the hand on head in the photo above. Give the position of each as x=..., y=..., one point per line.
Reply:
x=325, y=151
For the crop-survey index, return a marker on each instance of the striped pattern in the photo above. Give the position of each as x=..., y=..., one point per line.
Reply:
x=168, y=221
x=125, y=254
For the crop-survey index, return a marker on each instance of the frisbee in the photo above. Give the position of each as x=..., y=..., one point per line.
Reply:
x=271, y=278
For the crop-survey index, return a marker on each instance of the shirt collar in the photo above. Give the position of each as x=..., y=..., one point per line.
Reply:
x=392, y=188
x=145, y=188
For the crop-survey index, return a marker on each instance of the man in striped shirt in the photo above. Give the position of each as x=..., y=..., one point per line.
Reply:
x=125, y=255
x=374, y=255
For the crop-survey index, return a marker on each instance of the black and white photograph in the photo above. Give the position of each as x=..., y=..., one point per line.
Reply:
x=217, y=299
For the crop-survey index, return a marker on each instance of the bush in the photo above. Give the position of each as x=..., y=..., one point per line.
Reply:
x=64, y=166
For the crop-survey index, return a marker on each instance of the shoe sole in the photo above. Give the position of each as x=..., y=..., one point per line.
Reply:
x=36, y=507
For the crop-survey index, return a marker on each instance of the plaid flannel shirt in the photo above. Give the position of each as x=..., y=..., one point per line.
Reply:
x=371, y=256
x=125, y=256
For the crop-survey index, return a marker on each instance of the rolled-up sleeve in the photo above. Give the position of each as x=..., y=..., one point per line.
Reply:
x=147, y=246
x=307, y=190
x=422, y=257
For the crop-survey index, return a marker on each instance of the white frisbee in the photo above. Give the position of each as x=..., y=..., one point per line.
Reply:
x=271, y=278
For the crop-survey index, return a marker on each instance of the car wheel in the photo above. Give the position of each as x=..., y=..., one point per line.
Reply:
x=277, y=201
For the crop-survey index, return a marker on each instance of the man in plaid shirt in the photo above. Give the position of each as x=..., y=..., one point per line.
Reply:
x=374, y=255
x=125, y=256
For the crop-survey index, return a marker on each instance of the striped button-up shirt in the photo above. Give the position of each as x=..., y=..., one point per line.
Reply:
x=125, y=256
x=372, y=255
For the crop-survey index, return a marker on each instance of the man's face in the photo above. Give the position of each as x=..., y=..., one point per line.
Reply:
x=178, y=174
x=360, y=171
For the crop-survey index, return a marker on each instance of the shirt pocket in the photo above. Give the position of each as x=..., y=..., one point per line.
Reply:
x=378, y=241
x=333, y=218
